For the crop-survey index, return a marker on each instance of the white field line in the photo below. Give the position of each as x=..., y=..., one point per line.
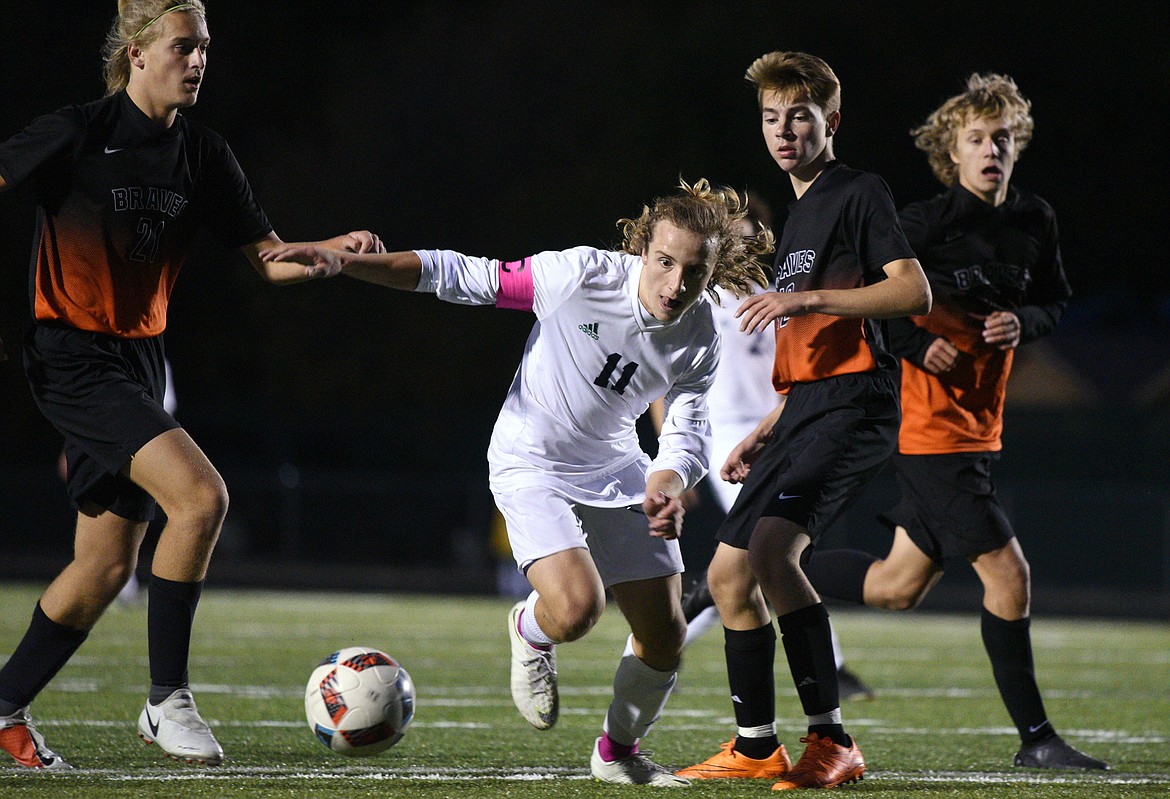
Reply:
x=413, y=773
x=875, y=726
x=446, y=695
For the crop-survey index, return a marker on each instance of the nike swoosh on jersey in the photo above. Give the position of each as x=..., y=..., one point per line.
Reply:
x=112, y=150
x=782, y=495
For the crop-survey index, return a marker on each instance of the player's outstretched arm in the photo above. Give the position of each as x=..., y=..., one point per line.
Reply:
x=288, y=271
x=397, y=270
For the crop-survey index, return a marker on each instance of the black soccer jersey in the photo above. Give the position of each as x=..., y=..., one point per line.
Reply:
x=838, y=235
x=119, y=202
x=978, y=259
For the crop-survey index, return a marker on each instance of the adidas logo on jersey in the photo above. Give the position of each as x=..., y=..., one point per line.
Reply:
x=590, y=330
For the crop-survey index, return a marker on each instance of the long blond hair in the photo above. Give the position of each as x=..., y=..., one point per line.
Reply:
x=714, y=213
x=135, y=24
x=987, y=96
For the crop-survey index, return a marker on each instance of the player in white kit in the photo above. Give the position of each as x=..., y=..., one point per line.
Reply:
x=585, y=507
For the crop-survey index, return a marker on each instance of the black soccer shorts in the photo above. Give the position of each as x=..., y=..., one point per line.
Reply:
x=104, y=395
x=833, y=436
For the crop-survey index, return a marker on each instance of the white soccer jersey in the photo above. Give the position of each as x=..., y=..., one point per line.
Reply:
x=742, y=393
x=594, y=361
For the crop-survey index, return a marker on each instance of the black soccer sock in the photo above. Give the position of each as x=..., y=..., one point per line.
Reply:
x=1009, y=646
x=839, y=573
x=751, y=655
x=169, y=615
x=45, y=648
x=808, y=644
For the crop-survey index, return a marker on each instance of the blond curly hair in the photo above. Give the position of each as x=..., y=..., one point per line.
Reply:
x=714, y=213
x=987, y=96
x=135, y=24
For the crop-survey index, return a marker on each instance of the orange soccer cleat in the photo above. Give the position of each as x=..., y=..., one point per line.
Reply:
x=729, y=764
x=824, y=764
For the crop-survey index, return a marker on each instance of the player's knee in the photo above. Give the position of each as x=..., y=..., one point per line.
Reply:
x=575, y=616
x=891, y=591
x=202, y=508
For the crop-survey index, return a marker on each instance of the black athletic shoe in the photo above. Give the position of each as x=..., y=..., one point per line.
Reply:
x=850, y=686
x=697, y=598
x=1055, y=753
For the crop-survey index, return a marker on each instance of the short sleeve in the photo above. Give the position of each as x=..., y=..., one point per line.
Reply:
x=233, y=214
x=48, y=136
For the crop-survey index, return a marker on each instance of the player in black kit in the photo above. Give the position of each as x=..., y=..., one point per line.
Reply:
x=122, y=184
x=992, y=256
x=842, y=266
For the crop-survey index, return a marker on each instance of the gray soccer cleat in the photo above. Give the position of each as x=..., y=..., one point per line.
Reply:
x=635, y=769
x=178, y=729
x=534, y=677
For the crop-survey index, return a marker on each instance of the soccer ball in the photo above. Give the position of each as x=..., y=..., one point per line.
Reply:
x=359, y=701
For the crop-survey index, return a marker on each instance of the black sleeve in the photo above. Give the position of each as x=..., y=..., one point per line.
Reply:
x=47, y=137
x=1049, y=293
x=234, y=216
x=915, y=225
x=908, y=340
x=877, y=233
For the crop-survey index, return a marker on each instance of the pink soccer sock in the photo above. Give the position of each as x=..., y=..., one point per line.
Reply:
x=611, y=750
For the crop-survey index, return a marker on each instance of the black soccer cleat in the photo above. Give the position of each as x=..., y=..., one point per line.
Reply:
x=850, y=686
x=1053, y=752
x=697, y=598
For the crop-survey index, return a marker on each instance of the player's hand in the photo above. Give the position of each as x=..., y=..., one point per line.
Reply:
x=361, y=241
x=1002, y=329
x=665, y=514
x=941, y=357
x=760, y=310
x=739, y=462
x=318, y=261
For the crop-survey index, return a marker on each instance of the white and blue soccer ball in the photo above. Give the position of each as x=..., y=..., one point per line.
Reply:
x=359, y=701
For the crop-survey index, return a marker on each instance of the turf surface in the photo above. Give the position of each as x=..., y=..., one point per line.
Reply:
x=936, y=728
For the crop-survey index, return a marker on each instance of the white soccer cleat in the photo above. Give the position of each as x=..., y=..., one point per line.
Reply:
x=635, y=769
x=534, y=677
x=178, y=729
x=19, y=737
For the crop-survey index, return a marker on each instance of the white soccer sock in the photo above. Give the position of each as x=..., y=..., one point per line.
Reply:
x=529, y=630
x=639, y=694
x=707, y=618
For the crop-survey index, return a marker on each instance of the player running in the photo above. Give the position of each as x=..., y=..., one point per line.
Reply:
x=122, y=185
x=992, y=255
x=586, y=510
x=841, y=264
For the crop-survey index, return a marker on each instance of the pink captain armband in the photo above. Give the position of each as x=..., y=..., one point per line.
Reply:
x=516, y=288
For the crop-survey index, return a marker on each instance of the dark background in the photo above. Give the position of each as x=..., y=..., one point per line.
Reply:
x=351, y=422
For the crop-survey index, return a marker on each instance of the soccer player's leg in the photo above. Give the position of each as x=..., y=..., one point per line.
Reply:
x=173, y=470
x=831, y=757
x=1006, y=631
x=105, y=551
x=642, y=684
x=567, y=600
x=750, y=650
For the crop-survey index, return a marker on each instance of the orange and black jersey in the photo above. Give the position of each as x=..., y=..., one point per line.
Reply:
x=839, y=235
x=978, y=259
x=119, y=201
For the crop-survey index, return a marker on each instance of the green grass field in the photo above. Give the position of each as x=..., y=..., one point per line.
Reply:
x=936, y=729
